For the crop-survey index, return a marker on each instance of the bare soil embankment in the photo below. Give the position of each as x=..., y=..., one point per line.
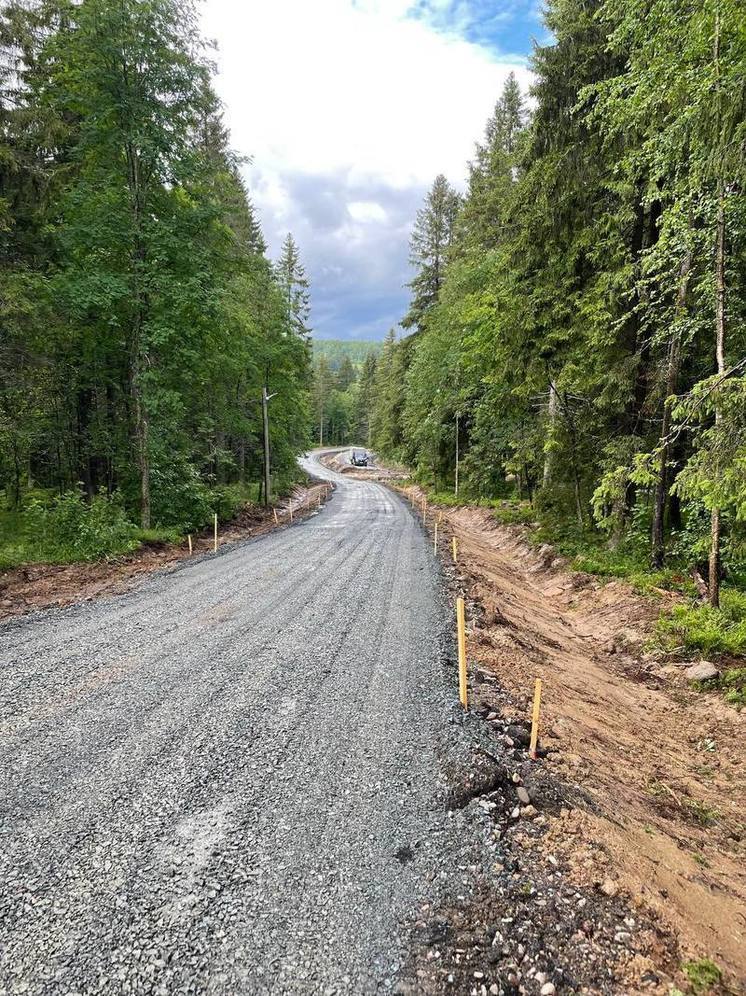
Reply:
x=42, y=586
x=659, y=764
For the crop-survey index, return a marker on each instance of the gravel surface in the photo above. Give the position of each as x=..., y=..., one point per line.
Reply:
x=228, y=780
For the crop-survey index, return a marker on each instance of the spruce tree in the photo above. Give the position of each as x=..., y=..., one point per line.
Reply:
x=294, y=283
x=429, y=244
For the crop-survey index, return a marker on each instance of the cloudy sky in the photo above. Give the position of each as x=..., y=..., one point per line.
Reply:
x=348, y=109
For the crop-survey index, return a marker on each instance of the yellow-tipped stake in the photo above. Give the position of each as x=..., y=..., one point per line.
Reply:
x=274, y=512
x=455, y=550
x=189, y=537
x=435, y=540
x=461, y=622
x=535, y=720
x=216, y=533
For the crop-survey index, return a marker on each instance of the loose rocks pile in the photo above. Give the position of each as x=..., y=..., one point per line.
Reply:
x=520, y=924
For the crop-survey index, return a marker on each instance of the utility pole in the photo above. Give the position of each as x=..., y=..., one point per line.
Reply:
x=456, y=490
x=265, y=420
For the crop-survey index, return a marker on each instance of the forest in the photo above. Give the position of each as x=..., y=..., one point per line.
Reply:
x=140, y=316
x=343, y=383
x=576, y=327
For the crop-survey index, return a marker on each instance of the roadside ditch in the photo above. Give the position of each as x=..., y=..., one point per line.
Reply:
x=546, y=905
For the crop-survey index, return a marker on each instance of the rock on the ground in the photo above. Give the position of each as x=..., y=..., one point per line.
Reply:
x=702, y=671
x=609, y=887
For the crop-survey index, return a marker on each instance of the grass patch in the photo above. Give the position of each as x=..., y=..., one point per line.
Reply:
x=14, y=539
x=700, y=813
x=733, y=684
x=589, y=552
x=700, y=628
x=703, y=975
x=508, y=513
x=513, y=513
x=447, y=498
x=159, y=535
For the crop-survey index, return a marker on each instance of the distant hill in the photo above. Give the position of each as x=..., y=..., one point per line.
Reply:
x=335, y=349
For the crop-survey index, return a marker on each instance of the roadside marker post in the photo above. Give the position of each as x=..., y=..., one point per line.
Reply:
x=535, y=720
x=216, y=533
x=291, y=511
x=189, y=537
x=435, y=541
x=461, y=622
x=274, y=512
x=455, y=550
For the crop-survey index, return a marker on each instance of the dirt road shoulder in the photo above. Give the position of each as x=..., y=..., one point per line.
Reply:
x=659, y=807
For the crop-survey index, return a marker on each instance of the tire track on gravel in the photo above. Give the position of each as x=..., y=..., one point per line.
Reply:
x=166, y=824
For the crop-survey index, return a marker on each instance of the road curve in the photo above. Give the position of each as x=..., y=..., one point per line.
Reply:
x=225, y=781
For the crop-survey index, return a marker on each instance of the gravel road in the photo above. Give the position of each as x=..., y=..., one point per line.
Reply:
x=226, y=780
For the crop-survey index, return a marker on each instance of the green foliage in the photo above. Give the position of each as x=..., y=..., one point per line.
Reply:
x=182, y=499
x=228, y=500
x=700, y=813
x=293, y=282
x=507, y=513
x=733, y=684
x=69, y=528
x=335, y=350
x=140, y=319
x=513, y=513
x=583, y=344
x=706, y=630
x=703, y=975
x=431, y=239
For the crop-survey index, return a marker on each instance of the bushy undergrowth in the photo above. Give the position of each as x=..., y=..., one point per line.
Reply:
x=710, y=631
x=69, y=528
x=66, y=528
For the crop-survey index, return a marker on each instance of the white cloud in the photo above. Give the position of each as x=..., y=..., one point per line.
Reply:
x=366, y=211
x=355, y=93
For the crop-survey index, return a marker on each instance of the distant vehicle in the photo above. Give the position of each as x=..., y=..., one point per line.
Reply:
x=359, y=458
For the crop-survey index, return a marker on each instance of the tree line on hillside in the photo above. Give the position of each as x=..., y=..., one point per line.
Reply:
x=140, y=317
x=577, y=317
x=343, y=393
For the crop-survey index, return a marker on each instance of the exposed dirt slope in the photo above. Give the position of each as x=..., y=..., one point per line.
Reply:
x=661, y=764
x=41, y=586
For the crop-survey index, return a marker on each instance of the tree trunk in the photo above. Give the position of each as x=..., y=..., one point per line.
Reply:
x=219, y=449
x=714, y=565
x=141, y=443
x=139, y=258
x=242, y=461
x=265, y=436
x=549, y=454
x=714, y=570
x=661, y=488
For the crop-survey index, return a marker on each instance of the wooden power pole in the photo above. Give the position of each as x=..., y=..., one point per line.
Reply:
x=265, y=421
